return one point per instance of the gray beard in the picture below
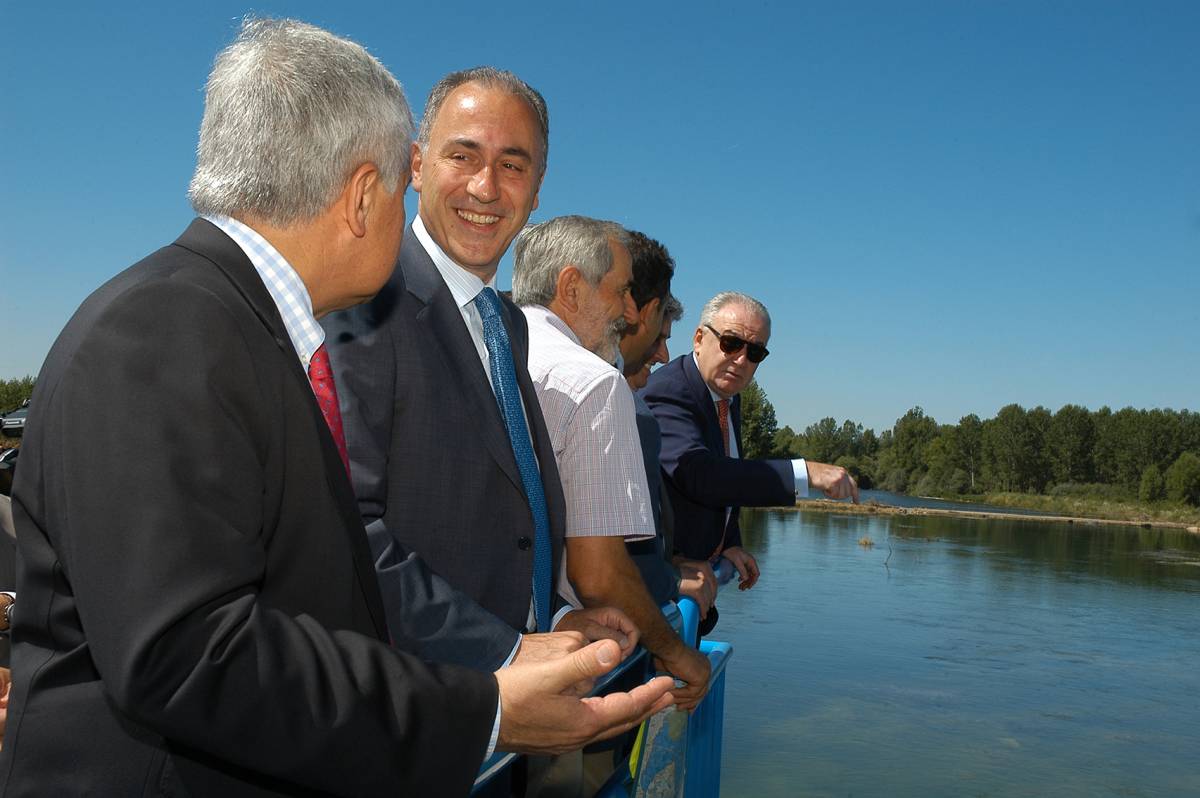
(609, 345)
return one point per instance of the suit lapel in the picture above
(210, 242)
(447, 331)
(703, 399)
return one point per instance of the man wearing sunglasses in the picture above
(695, 399)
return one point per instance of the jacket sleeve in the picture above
(701, 474)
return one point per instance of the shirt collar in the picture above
(464, 286)
(548, 317)
(283, 284)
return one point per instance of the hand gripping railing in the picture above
(665, 746)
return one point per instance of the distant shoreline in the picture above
(872, 507)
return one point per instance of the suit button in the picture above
(523, 543)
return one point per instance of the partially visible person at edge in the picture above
(433, 460)
(644, 345)
(572, 277)
(206, 621)
(695, 398)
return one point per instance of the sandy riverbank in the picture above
(874, 508)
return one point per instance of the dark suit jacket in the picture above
(701, 481)
(653, 557)
(204, 619)
(432, 464)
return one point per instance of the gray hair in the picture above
(672, 308)
(491, 78)
(543, 250)
(713, 306)
(290, 111)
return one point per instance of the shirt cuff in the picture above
(558, 616)
(512, 654)
(800, 474)
(495, 728)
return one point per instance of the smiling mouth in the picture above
(478, 218)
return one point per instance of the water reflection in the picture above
(961, 656)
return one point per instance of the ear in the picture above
(697, 338)
(567, 288)
(648, 310)
(360, 196)
(417, 163)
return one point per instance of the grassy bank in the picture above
(1094, 507)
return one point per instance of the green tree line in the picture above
(1147, 455)
(14, 392)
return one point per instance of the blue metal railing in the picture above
(663, 746)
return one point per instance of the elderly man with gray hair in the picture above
(206, 621)
(695, 399)
(572, 277)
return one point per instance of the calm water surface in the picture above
(962, 657)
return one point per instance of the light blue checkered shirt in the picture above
(282, 282)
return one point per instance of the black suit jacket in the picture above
(199, 613)
(701, 481)
(432, 464)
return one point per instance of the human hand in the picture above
(690, 666)
(536, 718)
(550, 646)
(698, 582)
(5, 687)
(746, 565)
(834, 481)
(602, 623)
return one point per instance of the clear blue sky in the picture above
(956, 205)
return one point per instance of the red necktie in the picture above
(723, 420)
(321, 376)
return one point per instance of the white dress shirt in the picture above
(589, 413)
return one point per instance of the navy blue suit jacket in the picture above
(433, 468)
(701, 481)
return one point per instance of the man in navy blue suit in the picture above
(695, 399)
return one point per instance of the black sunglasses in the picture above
(731, 344)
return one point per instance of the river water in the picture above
(962, 657)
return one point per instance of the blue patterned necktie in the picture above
(508, 396)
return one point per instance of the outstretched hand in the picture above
(834, 481)
(537, 718)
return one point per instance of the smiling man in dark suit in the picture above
(435, 450)
(205, 620)
(696, 401)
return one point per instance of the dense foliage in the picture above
(1147, 455)
(14, 392)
